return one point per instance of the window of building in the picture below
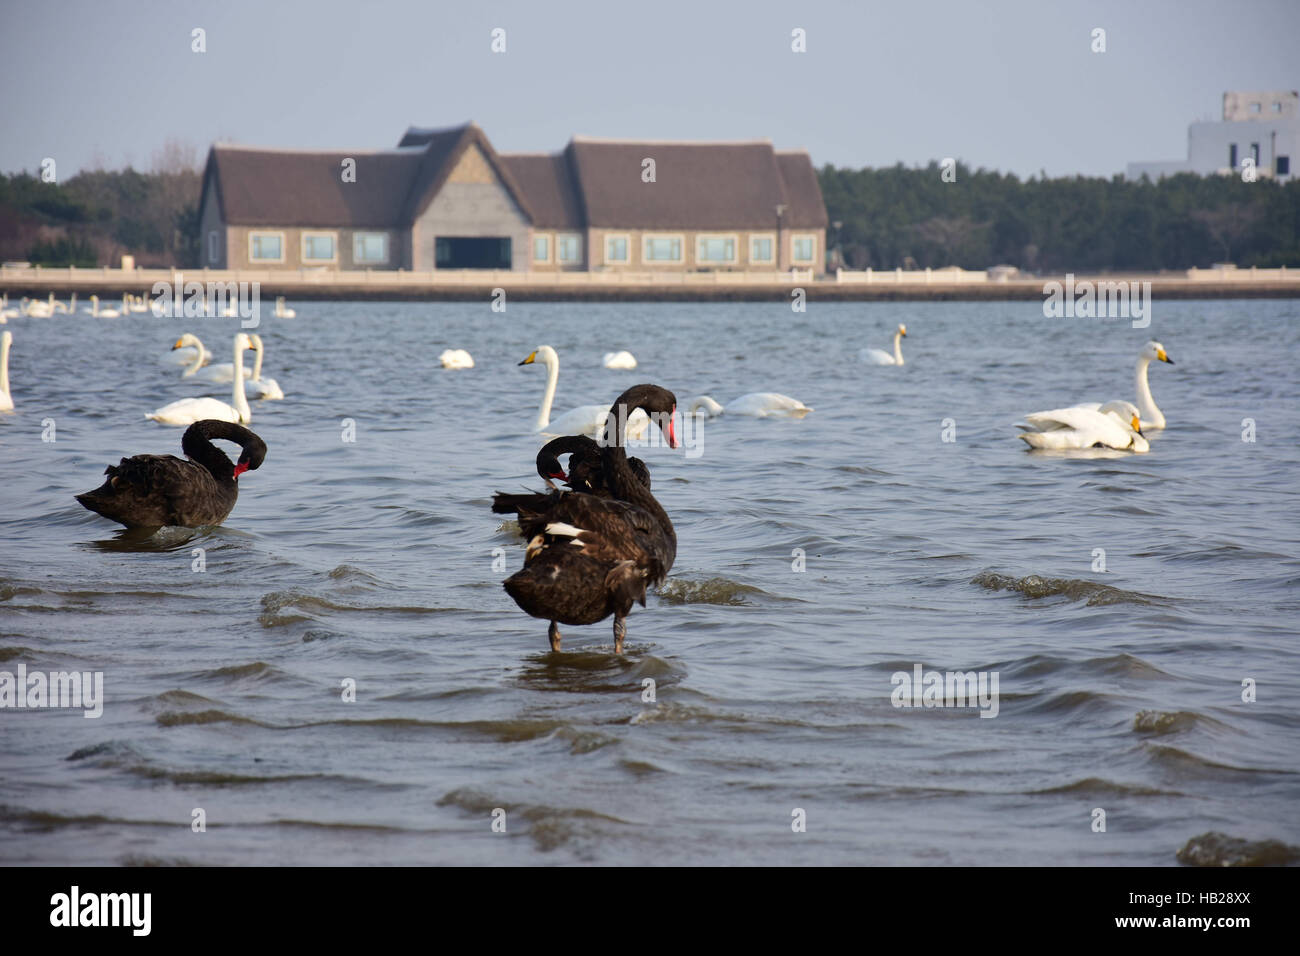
(318, 247)
(803, 248)
(1232, 155)
(617, 249)
(369, 247)
(1277, 106)
(760, 248)
(541, 248)
(715, 249)
(266, 246)
(661, 249)
(1254, 152)
(1282, 165)
(214, 247)
(1254, 107)
(568, 247)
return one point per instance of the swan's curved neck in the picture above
(198, 360)
(257, 361)
(4, 369)
(552, 379)
(239, 400)
(1146, 404)
(898, 348)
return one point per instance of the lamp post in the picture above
(839, 259)
(780, 212)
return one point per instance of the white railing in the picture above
(913, 276)
(1234, 274)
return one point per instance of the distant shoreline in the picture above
(113, 283)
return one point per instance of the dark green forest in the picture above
(909, 218)
(896, 217)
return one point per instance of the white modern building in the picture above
(1263, 127)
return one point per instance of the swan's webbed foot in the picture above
(554, 634)
(620, 632)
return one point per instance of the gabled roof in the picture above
(592, 182)
(443, 149)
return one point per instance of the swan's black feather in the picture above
(148, 491)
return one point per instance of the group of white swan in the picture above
(245, 383)
(1117, 424)
(590, 419)
(459, 358)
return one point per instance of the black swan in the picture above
(586, 474)
(590, 557)
(149, 491)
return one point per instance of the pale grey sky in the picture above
(1010, 85)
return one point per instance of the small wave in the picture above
(1100, 787)
(1073, 589)
(8, 591)
(13, 653)
(1177, 759)
(1161, 722)
(173, 718)
(714, 591)
(277, 608)
(1219, 849)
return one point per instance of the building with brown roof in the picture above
(445, 199)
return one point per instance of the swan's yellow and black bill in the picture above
(179, 344)
(1160, 354)
(1137, 425)
(529, 360)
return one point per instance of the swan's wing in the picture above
(1088, 428)
(878, 356)
(584, 420)
(767, 403)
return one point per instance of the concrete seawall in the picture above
(113, 283)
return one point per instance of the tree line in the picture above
(900, 217)
(895, 217)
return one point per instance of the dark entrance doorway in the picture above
(472, 252)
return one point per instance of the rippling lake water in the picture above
(373, 561)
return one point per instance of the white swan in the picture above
(280, 311)
(186, 411)
(254, 385)
(1150, 416)
(6, 401)
(95, 312)
(881, 357)
(7, 313)
(1153, 351)
(40, 308)
(755, 404)
(584, 420)
(619, 360)
(184, 354)
(258, 387)
(1079, 427)
(456, 358)
(134, 303)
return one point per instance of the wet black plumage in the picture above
(586, 474)
(148, 491)
(589, 557)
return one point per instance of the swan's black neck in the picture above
(620, 479)
(197, 445)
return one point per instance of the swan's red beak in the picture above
(558, 475)
(241, 468)
(672, 429)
